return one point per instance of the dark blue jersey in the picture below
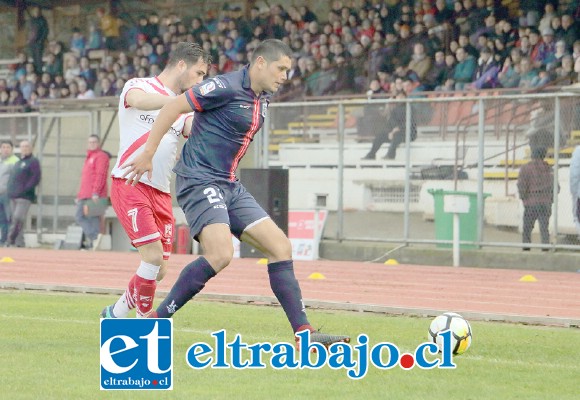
(227, 115)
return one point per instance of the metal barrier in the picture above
(478, 144)
(470, 143)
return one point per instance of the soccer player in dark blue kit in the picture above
(229, 110)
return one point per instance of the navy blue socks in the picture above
(287, 291)
(190, 282)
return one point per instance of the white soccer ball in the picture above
(460, 332)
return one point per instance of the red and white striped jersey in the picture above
(135, 125)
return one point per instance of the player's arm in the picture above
(166, 117)
(142, 100)
(187, 125)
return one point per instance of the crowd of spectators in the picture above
(358, 47)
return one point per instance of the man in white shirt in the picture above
(145, 210)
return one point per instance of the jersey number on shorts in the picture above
(212, 195)
(133, 214)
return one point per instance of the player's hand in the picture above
(136, 168)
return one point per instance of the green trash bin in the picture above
(444, 220)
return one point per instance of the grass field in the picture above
(49, 349)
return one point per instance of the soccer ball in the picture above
(460, 332)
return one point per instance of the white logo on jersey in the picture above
(208, 87)
(244, 106)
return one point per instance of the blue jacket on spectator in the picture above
(465, 70)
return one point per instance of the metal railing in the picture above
(496, 134)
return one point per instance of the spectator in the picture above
(4, 98)
(565, 74)
(84, 91)
(73, 88)
(20, 66)
(509, 76)
(486, 72)
(37, 35)
(64, 92)
(106, 88)
(16, 98)
(464, 70)
(509, 35)
(7, 162)
(344, 77)
(34, 97)
(359, 65)
(50, 67)
(57, 49)
(535, 42)
(554, 61)
(95, 39)
(45, 80)
(393, 131)
(53, 92)
(547, 48)
(25, 86)
(529, 78)
(569, 30)
(77, 43)
(24, 178)
(323, 81)
(437, 75)
(464, 42)
(525, 47)
(536, 189)
(420, 62)
(531, 12)
(72, 69)
(85, 71)
(549, 14)
(92, 197)
(109, 26)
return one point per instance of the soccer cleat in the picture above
(108, 312)
(325, 339)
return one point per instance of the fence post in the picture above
(340, 204)
(39, 199)
(557, 125)
(407, 194)
(480, 157)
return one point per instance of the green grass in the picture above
(49, 349)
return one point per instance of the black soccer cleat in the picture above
(324, 339)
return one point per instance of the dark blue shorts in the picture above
(217, 202)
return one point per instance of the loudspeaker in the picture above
(270, 189)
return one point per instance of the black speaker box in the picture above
(270, 189)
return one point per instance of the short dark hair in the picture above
(8, 142)
(539, 153)
(94, 135)
(271, 50)
(189, 52)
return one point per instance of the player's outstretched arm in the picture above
(144, 161)
(146, 101)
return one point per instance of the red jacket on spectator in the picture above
(94, 175)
